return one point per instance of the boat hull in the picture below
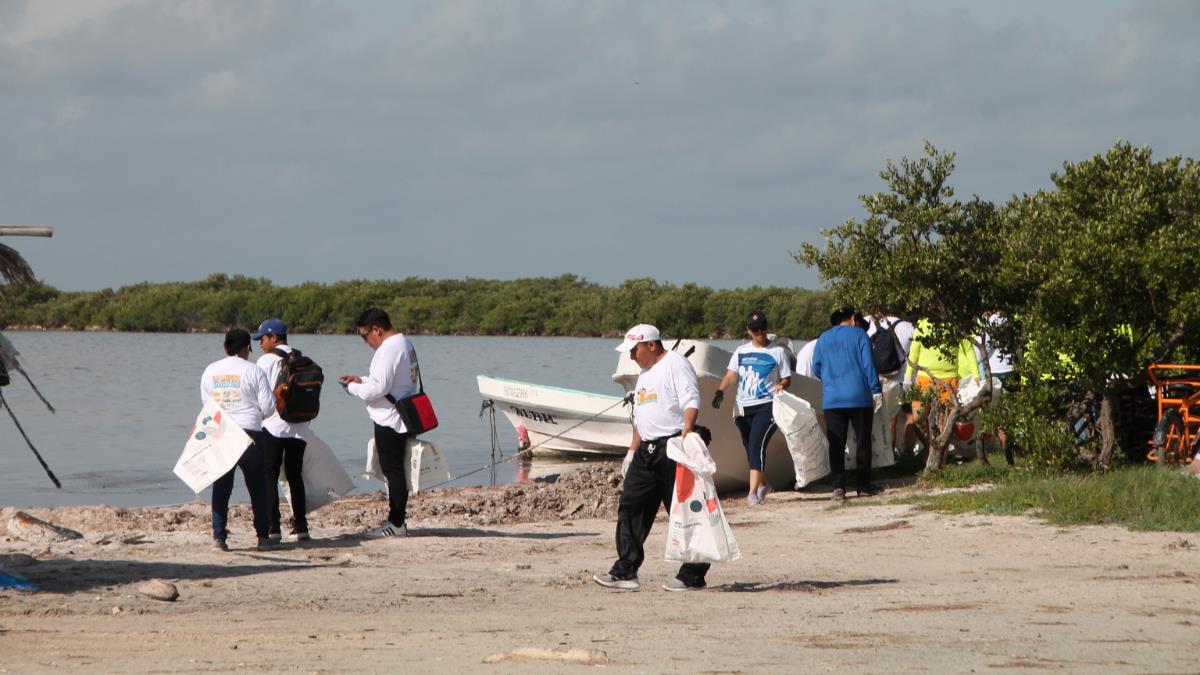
(562, 422)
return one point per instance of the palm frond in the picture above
(13, 267)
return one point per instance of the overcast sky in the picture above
(685, 141)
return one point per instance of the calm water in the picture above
(126, 401)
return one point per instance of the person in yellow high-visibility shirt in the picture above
(948, 368)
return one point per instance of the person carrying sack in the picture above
(666, 405)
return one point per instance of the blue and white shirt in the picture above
(759, 369)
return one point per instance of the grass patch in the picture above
(963, 475)
(1140, 498)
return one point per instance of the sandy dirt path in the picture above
(867, 587)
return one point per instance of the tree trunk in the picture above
(1108, 434)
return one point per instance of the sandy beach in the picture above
(487, 572)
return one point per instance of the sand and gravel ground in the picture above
(867, 587)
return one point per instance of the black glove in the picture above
(717, 398)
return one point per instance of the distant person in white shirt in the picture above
(394, 371)
(666, 404)
(903, 332)
(283, 445)
(804, 359)
(761, 371)
(240, 388)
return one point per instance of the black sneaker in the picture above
(300, 536)
(839, 495)
(220, 545)
(869, 490)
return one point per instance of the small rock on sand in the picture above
(11, 560)
(37, 531)
(159, 590)
(583, 657)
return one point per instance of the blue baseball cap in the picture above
(269, 327)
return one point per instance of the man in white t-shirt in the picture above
(903, 330)
(241, 389)
(283, 445)
(394, 371)
(666, 404)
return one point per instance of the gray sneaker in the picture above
(609, 581)
(677, 586)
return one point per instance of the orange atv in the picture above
(1177, 435)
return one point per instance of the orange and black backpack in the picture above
(298, 388)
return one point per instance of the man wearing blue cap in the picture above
(283, 444)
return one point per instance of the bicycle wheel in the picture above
(1169, 444)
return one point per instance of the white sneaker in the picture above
(609, 581)
(387, 529)
(752, 499)
(763, 491)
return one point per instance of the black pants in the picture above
(649, 482)
(389, 444)
(288, 454)
(837, 420)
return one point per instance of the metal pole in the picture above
(26, 231)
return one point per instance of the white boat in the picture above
(572, 422)
(562, 421)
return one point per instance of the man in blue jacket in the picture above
(851, 394)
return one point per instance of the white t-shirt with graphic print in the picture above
(759, 369)
(662, 393)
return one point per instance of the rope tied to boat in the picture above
(46, 467)
(489, 406)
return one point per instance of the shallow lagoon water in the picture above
(126, 402)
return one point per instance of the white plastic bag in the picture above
(426, 465)
(698, 530)
(324, 478)
(424, 462)
(801, 428)
(214, 446)
(881, 431)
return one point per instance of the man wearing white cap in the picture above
(666, 404)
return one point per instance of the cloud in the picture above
(686, 141)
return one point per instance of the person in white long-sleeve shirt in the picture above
(241, 390)
(282, 441)
(393, 371)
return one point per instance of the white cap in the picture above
(643, 332)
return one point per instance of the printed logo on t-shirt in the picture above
(754, 373)
(645, 396)
(227, 389)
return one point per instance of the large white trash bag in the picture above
(881, 431)
(698, 531)
(801, 428)
(214, 446)
(324, 478)
(425, 464)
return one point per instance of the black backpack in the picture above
(885, 348)
(298, 389)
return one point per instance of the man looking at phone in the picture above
(393, 371)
